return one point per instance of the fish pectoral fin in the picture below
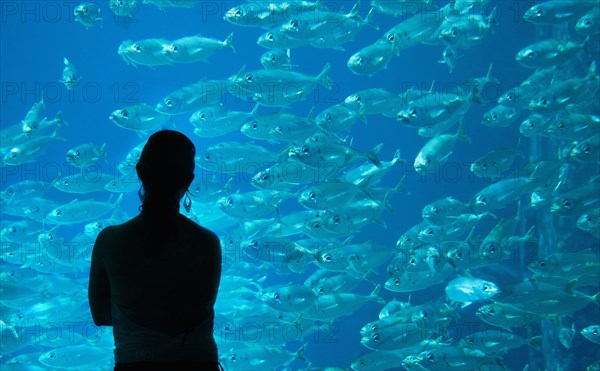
(256, 362)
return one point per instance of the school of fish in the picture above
(298, 216)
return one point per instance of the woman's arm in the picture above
(99, 288)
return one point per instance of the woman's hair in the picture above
(166, 165)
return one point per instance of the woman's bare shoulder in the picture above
(200, 232)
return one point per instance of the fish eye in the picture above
(169, 103)
(254, 243)
(362, 363)
(587, 149)
(327, 258)
(491, 311)
(391, 37)
(484, 165)
(12, 229)
(276, 296)
(279, 129)
(270, 37)
(35, 209)
(336, 219)
(249, 78)
(531, 124)
(412, 261)
(294, 23)
(305, 149)
(509, 97)
(470, 339)
(51, 356)
(328, 117)
(207, 156)
(375, 337)
(312, 195)
(397, 281)
(587, 22)
(566, 203)
(238, 13)
(486, 287)
(542, 264)
(493, 115)
(232, 358)
(174, 48)
(317, 225)
(412, 111)
(137, 48)
(561, 125)
(358, 98)
(254, 125)
(539, 11)
(453, 31)
(435, 210)
(57, 212)
(265, 177)
(430, 232)
(595, 331)
(273, 59)
(430, 357)
(360, 60)
(482, 199)
(530, 54)
(230, 201)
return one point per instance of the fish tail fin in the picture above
(59, 119)
(491, 19)
(534, 342)
(372, 155)
(354, 11)
(592, 75)
(299, 354)
(229, 42)
(399, 188)
(596, 298)
(103, 150)
(460, 134)
(375, 295)
(369, 20)
(323, 77)
(397, 157)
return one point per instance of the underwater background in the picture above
(44, 314)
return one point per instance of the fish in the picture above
(565, 336)
(267, 15)
(371, 59)
(575, 126)
(85, 154)
(83, 183)
(69, 75)
(548, 53)
(147, 52)
(33, 117)
(450, 58)
(590, 222)
(25, 189)
(437, 150)
(494, 163)
(374, 101)
(123, 8)
(566, 93)
(467, 31)
(141, 118)
(500, 116)
(557, 11)
(88, 14)
(398, 8)
(339, 118)
(196, 48)
(276, 59)
(467, 290)
(331, 156)
(592, 333)
(272, 87)
(192, 97)
(30, 150)
(215, 120)
(536, 124)
(589, 23)
(81, 211)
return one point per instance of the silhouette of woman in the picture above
(155, 277)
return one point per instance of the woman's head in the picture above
(166, 166)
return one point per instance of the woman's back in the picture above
(169, 290)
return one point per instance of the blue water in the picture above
(36, 35)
